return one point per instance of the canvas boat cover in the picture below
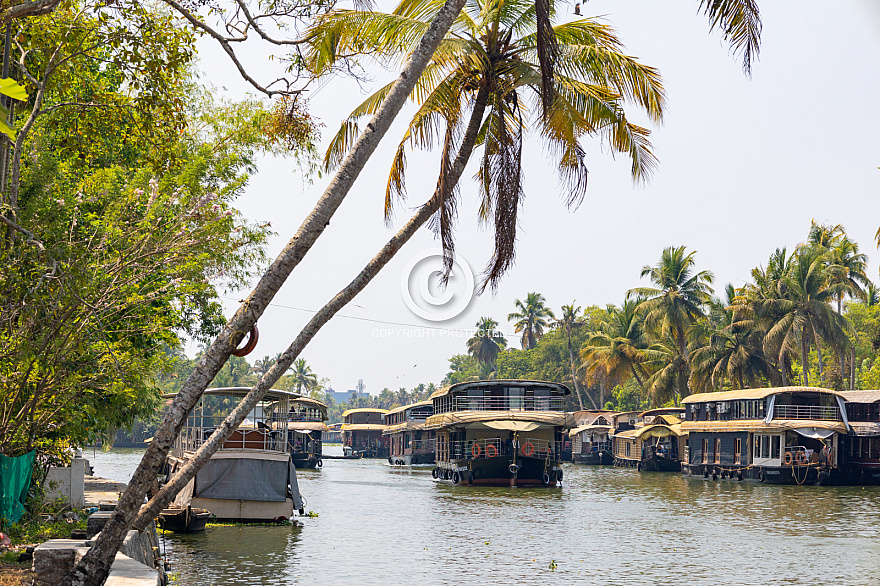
(512, 425)
(248, 479)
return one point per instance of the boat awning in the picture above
(306, 426)
(512, 425)
(759, 425)
(814, 432)
(405, 426)
(549, 418)
(659, 431)
(583, 428)
(362, 427)
(865, 429)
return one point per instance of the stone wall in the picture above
(68, 482)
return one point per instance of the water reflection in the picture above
(606, 526)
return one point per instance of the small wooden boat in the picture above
(184, 520)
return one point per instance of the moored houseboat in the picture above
(649, 441)
(333, 435)
(499, 432)
(362, 433)
(780, 435)
(590, 440)
(860, 449)
(251, 478)
(409, 443)
(305, 428)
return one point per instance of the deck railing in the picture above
(242, 439)
(593, 447)
(508, 404)
(806, 412)
(480, 448)
(425, 446)
(306, 416)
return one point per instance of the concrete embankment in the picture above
(136, 564)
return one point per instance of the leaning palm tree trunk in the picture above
(444, 188)
(95, 565)
(577, 386)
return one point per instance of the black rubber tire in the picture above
(739, 476)
(705, 473)
(319, 463)
(434, 472)
(455, 477)
(470, 477)
(639, 466)
(761, 476)
(714, 475)
(545, 479)
(559, 475)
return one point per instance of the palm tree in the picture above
(872, 294)
(801, 316)
(262, 366)
(570, 320)
(618, 350)
(303, 378)
(533, 317)
(486, 343)
(490, 64)
(675, 302)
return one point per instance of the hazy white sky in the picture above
(744, 165)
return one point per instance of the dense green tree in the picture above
(303, 377)
(486, 342)
(532, 318)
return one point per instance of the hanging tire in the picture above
(434, 473)
(639, 466)
(705, 473)
(545, 479)
(470, 477)
(739, 476)
(513, 469)
(559, 475)
(320, 463)
(455, 477)
(714, 475)
(761, 476)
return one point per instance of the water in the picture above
(606, 526)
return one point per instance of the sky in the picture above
(745, 164)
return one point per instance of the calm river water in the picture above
(606, 526)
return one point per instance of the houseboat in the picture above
(362, 433)
(781, 435)
(305, 428)
(499, 432)
(409, 443)
(251, 478)
(590, 440)
(860, 449)
(649, 441)
(333, 435)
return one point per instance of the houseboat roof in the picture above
(761, 425)
(871, 396)
(590, 427)
(271, 394)
(486, 383)
(362, 427)
(745, 394)
(662, 411)
(587, 416)
(405, 426)
(310, 402)
(660, 430)
(424, 403)
(307, 426)
(498, 419)
(364, 410)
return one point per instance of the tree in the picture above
(568, 322)
(673, 304)
(533, 316)
(486, 342)
(303, 377)
(799, 315)
(617, 351)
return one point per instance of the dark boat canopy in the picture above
(459, 387)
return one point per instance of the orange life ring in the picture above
(491, 451)
(475, 450)
(531, 449)
(787, 459)
(801, 458)
(253, 336)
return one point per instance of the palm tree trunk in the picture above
(183, 476)
(577, 386)
(852, 367)
(638, 378)
(805, 366)
(821, 364)
(95, 565)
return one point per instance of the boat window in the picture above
(705, 451)
(515, 397)
(756, 453)
(737, 451)
(775, 447)
(717, 454)
(765, 446)
(627, 449)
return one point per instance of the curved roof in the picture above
(271, 394)
(307, 425)
(760, 425)
(662, 411)
(745, 394)
(584, 428)
(554, 418)
(362, 427)
(485, 383)
(310, 402)
(410, 406)
(405, 426)
(860, 396)
(364, 410)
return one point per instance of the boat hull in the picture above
(187, 520)
(232, 511)
(810, 474)
(594, 458)
(411, 459)
(304, 460)
(497, 472)
(653, 463)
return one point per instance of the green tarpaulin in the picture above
(15, 480)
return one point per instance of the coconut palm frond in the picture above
(740, 24)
